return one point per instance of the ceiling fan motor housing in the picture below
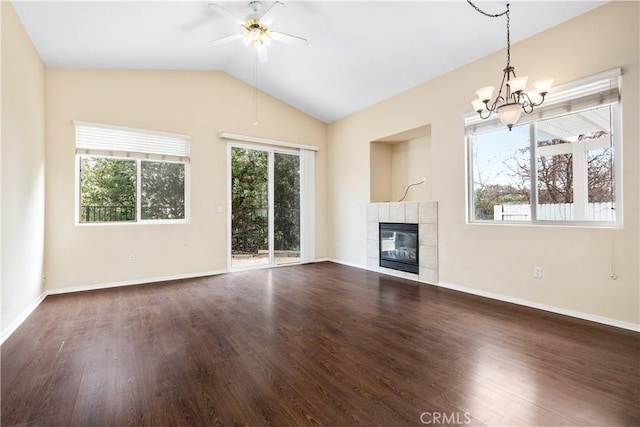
(255, 6)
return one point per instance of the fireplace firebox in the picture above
(399, 246)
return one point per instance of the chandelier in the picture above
(512, 99)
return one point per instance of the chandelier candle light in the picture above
(515, 100)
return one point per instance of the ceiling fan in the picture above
(255, 28)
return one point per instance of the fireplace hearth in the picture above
(399, 248)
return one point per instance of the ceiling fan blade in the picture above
(226, 39)
(270, 15)
(288, 38)
(226, 13)
(263, 55)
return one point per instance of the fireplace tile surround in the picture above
(425, 214)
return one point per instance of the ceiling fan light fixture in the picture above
(256, 32)
(246, 39)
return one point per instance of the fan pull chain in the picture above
(255, 90)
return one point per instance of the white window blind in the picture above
(100, 139)
(601, 89)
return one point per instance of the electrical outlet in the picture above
(132, 258)
(537, 272)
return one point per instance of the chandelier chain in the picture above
(508, 36)
(255, 89)
(497, 15)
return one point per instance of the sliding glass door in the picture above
(249, 207)
(286, 214)
(265, 207)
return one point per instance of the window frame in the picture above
(616, 137)
(138, 158)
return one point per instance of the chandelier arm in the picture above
(488, 114)
(499, 97)
(534, 104)
(493, 106)
(527, 107)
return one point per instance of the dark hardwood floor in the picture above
(318, 344)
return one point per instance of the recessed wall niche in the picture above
(397, 161)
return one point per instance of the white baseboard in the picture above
(133, 282)
(526, 303)
(553, 309)
(349, 264)
(21, 318)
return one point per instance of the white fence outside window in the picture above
(603, 211)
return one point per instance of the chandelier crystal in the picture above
(512, 98)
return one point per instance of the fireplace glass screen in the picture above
(399, 246)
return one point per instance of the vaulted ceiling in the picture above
(359, 52)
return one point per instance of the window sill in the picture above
(557, 224)
(132, 223)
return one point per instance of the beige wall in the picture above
(410, 162)
(493, 258)
(200, 104)
(380, 167)
(395, 165)
(23, 197)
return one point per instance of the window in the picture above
(130, 175)
(562, 166)
(163, 190)
(107, 189)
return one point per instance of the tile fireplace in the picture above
(422, 214)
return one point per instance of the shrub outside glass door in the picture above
(265, 207)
